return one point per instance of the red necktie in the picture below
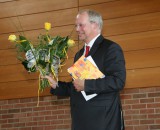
(87, 51)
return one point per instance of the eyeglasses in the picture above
(80, 25)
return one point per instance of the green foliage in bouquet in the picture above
(47, 56)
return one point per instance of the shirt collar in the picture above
(90, 44)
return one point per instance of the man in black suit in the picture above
(104, 111)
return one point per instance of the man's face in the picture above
(84, 28)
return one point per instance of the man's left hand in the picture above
(79, 84)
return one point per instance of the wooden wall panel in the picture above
(89, 2)
(28, 22)
(132, 41)
(23, 7)
(134, 59)
(33, 34)
(28, 88)
(133, 24)
(23, 89)
(3, 1)
(11, 57)
(18, 89)
(142, 58)
(147, 77)
(4, 43)
(138, 41)
(15, 73)
(123, 8)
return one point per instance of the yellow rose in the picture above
(70, 43)
(47, 26)
(12, 38)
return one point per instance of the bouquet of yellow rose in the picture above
(47, 56)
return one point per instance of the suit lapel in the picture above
(93, 49)
(96, 45)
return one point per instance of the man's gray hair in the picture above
(94, 17)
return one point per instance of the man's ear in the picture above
(95, 26)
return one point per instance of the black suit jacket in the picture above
(102, 112)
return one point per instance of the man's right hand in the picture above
(53, 83)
